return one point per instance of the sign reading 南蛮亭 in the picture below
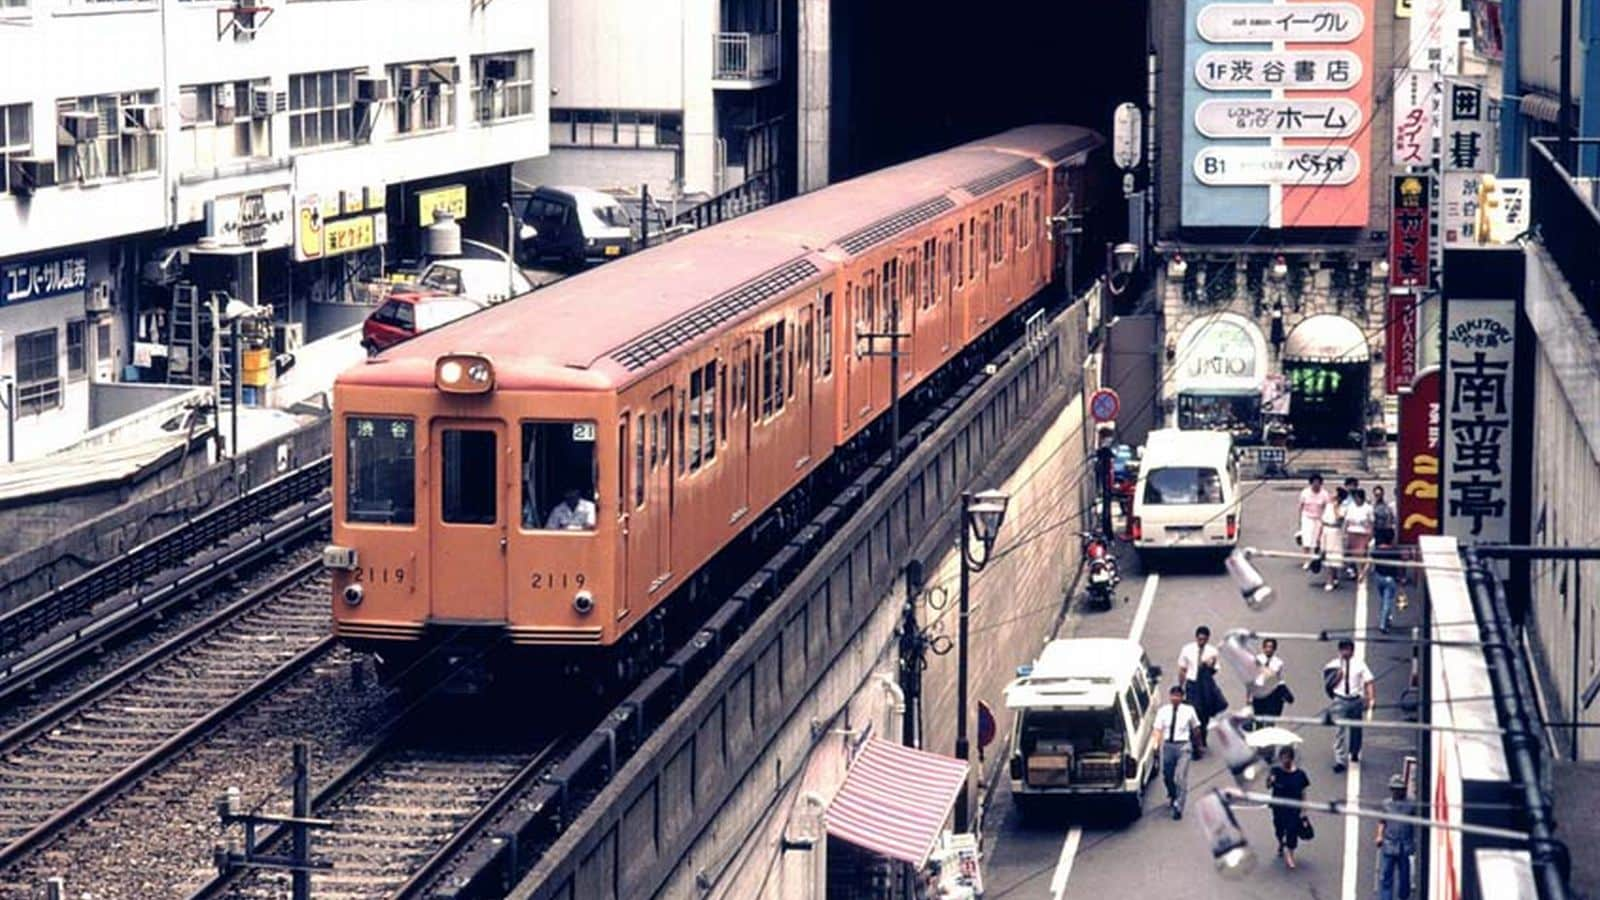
(1479, 404)
(40, 279)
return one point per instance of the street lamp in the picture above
(981, 516)
(232, 313)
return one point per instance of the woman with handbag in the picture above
(1286, 781)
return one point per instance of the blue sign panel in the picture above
(1215, 205)
(39, 279)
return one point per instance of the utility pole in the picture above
(866, 346)
(912, 644)
(644, 216)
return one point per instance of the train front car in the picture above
(467, 514)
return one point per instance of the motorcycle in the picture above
(1102, 574)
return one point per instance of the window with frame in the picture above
(616, 128)
(638, 460)
(424, 95)
(997, 219)
(322, 108)
(913, 292)
(502, 86)
(16, 133)
(102, 341)
(1024, 234)
(127, 138)
(696, 388)
(891, 293)
(827, 334)
(871, 308)
(38, 372)
(947, 260)
(224, 121)
(683, 423)
(972, 248)
(77, 348)
(708, 414)
(930, 275)
(983, 243)
(380, 471)
(773, 360)
(1011, 226)
(961, 254)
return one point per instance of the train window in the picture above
(913, 279)
(983, 241)
(683, 457)
(622, 465)
(380, 471)
(1011, 226)
(1022, 216)
(468, 492)
(638, 464)
(891, 292)
(972, 248)
(695, 418)
(961, 254)
(997, 219)
(790, 329)
(949, 256)
(827, 334)
(930, 274)
(708, 404)
(559, 475)
(777, 367)
(766, 373)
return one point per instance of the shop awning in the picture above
(1326, 338)
(895, 799)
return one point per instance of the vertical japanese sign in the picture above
(1479, 405)
(1275, 99)
(1408, 232)
(1412, 144)
(1420, 424)
(1467, 137)
(1400, 342)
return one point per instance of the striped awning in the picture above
(895, 799)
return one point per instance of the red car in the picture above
(407, 314)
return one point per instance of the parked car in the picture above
(573, 225)
(1187, 499)
(481, 273)
(408, 313)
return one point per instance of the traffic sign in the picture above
(1104, 405)
(986, 725)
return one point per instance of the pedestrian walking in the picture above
(1333, 539)
(1314, 498)
(1287, 781)
(1350, 685)
(1269, 693)
(1396, 842)
(1383, 573)
(1347, 497)
(1177, 728)
(1197, 672)
(1358, 528)
(1383, 516)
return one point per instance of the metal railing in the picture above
(760, 189)
(741, 56)
(1566, 220)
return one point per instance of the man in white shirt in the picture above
(1197, 664)
(1354, 693)
(1175, 727)
(573, 513)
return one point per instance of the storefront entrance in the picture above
(1218, 370)
(1326, 362)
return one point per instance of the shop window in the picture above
(469, 488)
(38, 372)
(380, 471)
(559, 475)
(77, 348)
(125, 141)
(16, 133)
(615, 128)
(424, 95)
(322, 108)
(502, 86)
(224, 121)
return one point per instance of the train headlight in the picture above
(354, 594)
(583, 602)
(464, 373)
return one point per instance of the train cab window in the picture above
(380, 471)
(559, 475)
(469, 490)
(827, 334)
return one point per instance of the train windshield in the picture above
(380, 470)
(558, 476)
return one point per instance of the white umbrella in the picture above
(1274, 736)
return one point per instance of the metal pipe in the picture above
(962, 751)
(1378, 724)
(301, 878)
(1564, 115)
(1534, 551)
(1341, 808)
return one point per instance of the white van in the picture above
(1187, 497)
(1083, 723)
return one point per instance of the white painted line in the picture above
(1352, 776)
(1147, 598)
(1069, 852)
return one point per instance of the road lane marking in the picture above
(1146, 600)
(1069, 851)
(1352, 775)
(1069, 848)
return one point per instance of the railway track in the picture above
(63, 763)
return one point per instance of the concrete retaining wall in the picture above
(687, 799)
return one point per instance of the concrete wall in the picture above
(135, 405)
(602, 167)
(683, 807)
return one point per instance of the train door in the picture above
(738, 426)
(468, 545)
(628, 482)
(804, 380)
(946, 296)
(659, 502)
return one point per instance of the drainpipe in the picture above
(1510, 90)
(1589, 116)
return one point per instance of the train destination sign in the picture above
(1252, 70)
(1277, 165)
(1310, 118)
(1308, 23)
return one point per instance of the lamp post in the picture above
(981, 515)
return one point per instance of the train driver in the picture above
(573, 513)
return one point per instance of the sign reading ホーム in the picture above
(1274, 103)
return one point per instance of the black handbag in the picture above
(1306, 831)
(1284, 694)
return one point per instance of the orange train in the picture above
(551, 470)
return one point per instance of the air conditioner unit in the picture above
(226, 94)
(261, 102)
(499, 69)
(28, 174)
(79, 127)
(144, 117)
(372, 88)
(226, 110)
(98, 299)
(288, 337)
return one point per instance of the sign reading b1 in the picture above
(1104, 405)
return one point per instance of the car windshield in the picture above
(1182, 485)
(615, 216)
(396, 313)
(442, 278)
(1084, 730)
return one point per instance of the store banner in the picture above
(1418, 477)
(1400, 342)
(41, 279)
(1408, 232)
(1412, 140)
(1468, 135)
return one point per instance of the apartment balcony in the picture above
(745, 61)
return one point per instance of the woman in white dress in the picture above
(1333, 540)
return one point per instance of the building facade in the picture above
(159, 154)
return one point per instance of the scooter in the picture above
(1103, 575)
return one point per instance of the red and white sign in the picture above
(1104, 405)
(1400, 342)
(1418, 484)
(1408, 232)
(1414, 105)
(1296, 118)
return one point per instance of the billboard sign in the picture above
(1418, 476)
(1408, 232)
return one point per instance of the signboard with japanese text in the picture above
(40, 279)
(318, 236)
(1418, 456)
(1413, 117)
(1488, 34)
(1479, 373)
(1274, 114)
(1400, 341)
(260, 219)
(1458, 208)
(451, 200)
(1511, 216)
(1468, 138)
(1408, 232)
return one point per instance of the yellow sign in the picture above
(308, 229)
(353, 200)
(347, 235)
(452, 200)
(1402, 9)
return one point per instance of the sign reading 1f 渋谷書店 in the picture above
(1275, 96)
(40, 279)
